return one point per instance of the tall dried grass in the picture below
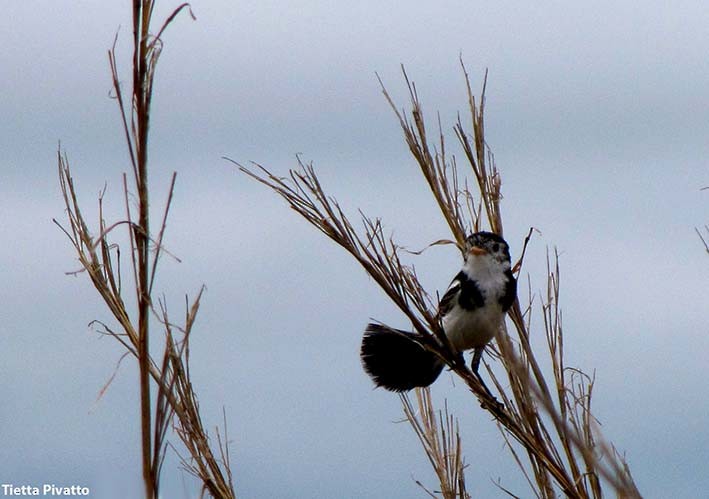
(546, 421)
(175, 402)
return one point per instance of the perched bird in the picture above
(471, 310)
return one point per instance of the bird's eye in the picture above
(495, 247)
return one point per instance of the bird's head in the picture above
(486, 248)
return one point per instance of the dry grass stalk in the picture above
(553, 426)
(704, 239)
(175, 402)
(438, 433)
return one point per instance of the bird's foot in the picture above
(490, 402)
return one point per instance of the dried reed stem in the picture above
(100, 258)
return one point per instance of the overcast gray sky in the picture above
(596, 112)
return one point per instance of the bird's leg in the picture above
(475, 365)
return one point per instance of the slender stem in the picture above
(141, 22)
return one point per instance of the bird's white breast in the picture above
(468, 329)
(471, 329)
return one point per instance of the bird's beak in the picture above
(477, 251)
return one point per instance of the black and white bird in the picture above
(471, 311)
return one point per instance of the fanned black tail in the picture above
(396, 361)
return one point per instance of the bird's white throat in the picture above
(486, 270)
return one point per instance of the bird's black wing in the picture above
(450, 297)
(508, 298)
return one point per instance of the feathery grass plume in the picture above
(547, 423)
(175, 403)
